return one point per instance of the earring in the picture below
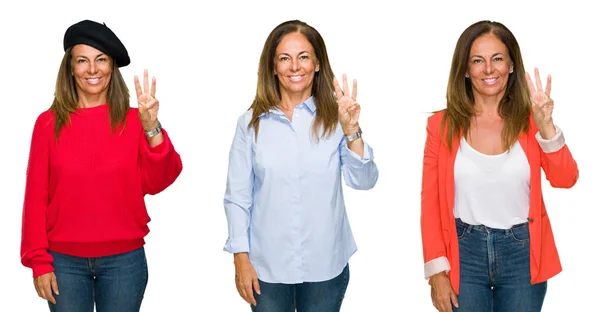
(317, 70)
(467, 76)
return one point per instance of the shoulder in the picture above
(434, 121)
(45, 119)
(245, 118)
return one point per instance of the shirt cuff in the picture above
(354, 160)
(238, 244)
(436, 266)
(552, 145)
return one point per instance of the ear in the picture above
(317, 66)
(511, 68)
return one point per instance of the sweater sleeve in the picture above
(160, 165)
(34, 241)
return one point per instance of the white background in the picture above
(205, 58)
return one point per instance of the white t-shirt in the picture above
(492, 190)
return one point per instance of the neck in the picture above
(487, 106)
(290, 100)
(92, 100)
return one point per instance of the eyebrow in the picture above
(495, 54)
(97, 56)
(283, 53)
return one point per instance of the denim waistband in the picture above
(484, 228)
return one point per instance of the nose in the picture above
(295, 65)
(488, 68)
(92, 68)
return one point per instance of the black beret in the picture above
(98, 36)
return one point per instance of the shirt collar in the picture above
(308, 103)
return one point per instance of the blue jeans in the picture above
(115, 283)
(324, 296)
(494, 270)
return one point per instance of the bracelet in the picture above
(354, 136)
(154, 132)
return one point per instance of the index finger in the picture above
(249, 293)
(354, 89)
(529, 84)
(345, 82)
(48, 293)
(336, 87)
(138, 88)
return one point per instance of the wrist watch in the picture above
(354, 136)
(153, 132)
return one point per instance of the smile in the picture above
(295, 78)
(490, 81)
(93, 81)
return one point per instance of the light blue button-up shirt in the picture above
(284, 201)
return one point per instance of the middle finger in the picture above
(538, 81)
(345, 82)
(146, 87)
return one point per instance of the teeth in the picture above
(93, 80)
(295, 78)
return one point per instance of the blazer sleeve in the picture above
(434, 250)
(557, 162)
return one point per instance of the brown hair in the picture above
(514, 107)
(66, 98)
(268, 94)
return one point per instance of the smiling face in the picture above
(489, 68)
(295, 65)
(91, 70)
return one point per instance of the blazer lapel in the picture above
(450, 175)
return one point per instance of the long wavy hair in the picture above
(66, 99)
(268, 95)
(514, 107)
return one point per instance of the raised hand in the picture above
(348, 109)
(147, 104)
(541, 103)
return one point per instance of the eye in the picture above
(304, 57)
(102, 59)
(498, 59)
(81, 61)
(477, 61)
(284, 58)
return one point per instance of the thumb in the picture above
(256, 285)
(54, 284)
(454, 299)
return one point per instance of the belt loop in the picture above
(469, 227)
(530, 220)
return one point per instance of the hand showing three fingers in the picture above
(348, 109)
(541, 104)
(147, 104)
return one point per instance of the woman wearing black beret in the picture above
(92, 161)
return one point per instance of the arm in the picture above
(34, 241)
(556, 159)
(360, 172)
(434, 251)
(160, 165)
(239, 189)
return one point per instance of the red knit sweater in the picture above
(84, 194)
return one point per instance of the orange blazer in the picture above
(438, 229)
